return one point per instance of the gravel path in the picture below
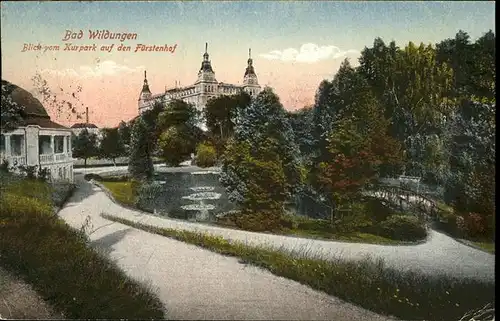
(195, 283)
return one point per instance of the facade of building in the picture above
(91, 128)
(204, 88)
(38, 141)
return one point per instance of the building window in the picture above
(44, 147)
(16, 145)
(59, 144)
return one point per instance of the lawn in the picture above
(121, 191)
(487, 246)
(58, 262)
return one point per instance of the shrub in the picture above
(474, 225)
(91, 176)
(403, 228)
(376, 209)
(206, 155)
(352, 222)
(265, 220)
(4, 167)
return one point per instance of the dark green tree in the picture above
(140, 165)
(124, 131)
(85, 145)
(111, 145)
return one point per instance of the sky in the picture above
(295, 45)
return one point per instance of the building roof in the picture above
(83, 125)
(33, 111)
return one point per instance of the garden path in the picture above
(195, 283)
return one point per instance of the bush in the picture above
(474, 226)
(376, 209)
(206, 155)
(265, 220)
(52, 257)
(91, 176)
(403, 228)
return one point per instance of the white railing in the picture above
(48, 158)
(14, 160)
(61, 157)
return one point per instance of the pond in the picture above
(199, 196)
(188, 195)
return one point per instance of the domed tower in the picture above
(145, 94)
(250, 81)
(206, 84)
(206, 73)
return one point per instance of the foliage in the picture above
(474, 226)
(84, 145)
(11, 112)
(111, 145)
(176, 144)
(264, 120)
(206, 155)
(152, 119)
(140, 164)
(403, 227)
(124, 132)
(358, 146)
(178, 113)
(301, 122)
(367, 283)
(221, 114)
(54, 259)
(261, 189)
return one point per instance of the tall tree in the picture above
(301, 122)
(85, 145)
(178, 113)
(140, 165)
(358, 146)
(255, 180)
(111, 145)
(124, 131)
(264, 119)
(176, 144)
(179, 131)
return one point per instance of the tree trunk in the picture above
(85, 162)
(114, 163)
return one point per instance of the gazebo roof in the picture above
(33, 111)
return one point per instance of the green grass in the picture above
(319, 229)
(59, 263)
(369, 284)
(121, 191)
(486, 246)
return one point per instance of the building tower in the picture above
(206, 73)
(145, 93)
(206, 84)
(250, 81)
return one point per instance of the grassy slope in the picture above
(58, 262)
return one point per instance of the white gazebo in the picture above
(38, 141)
